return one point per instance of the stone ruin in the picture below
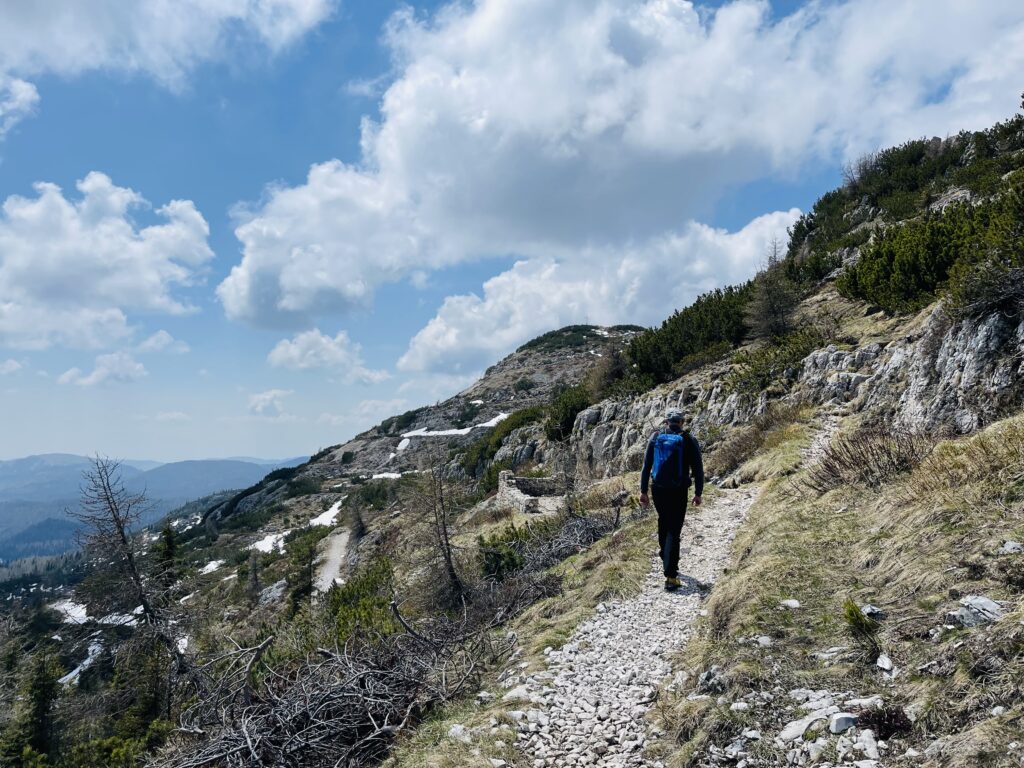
(531, 495)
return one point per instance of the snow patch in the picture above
(271, 541)
(210, 567)
(495, 421)
(424, 432)
(476, 402)
(386, 476)
(328, 517)
(95, 649)
(122, 619)
(404, 444)
(72, 612)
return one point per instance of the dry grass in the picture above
(765, 432)
(911, 546)
(868, 457)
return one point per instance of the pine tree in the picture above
(165, 555)
(770, 310)
(30, 737)
(253, 586)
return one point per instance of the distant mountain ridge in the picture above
(36, 491)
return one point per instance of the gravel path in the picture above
(331, 564)
(588, 708)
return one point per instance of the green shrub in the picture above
(376, 494)
(489, 479)
(321, 454)
(498, 557)
(756, 370)
(524, 384)
(564, 338)
(971, 251)
(401, 422)
(364, 601)
(714, 318)
(303, 486)
(563, 411)
(483, 450)
(898, 183)
(467, 414)
(863, 629)
(347, 457)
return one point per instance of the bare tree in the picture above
(110, 515)
(442, 500)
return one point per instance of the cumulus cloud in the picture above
(631, 285)
(115, 367)
(18, 100)
(70, 270)
(269, 403)
(8, 367)
(313, 349)
(567, 129)
(162, 40)
(162, 341)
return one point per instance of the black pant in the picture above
(671, 506)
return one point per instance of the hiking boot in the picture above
(672, 583)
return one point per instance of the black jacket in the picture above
(691, 453)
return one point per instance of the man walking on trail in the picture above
(672, 457)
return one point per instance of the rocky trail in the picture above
(589, 707)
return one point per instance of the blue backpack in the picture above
(668, 470)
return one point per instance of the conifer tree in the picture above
(30, 737)
(770, 309)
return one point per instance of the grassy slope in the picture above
(911, 548)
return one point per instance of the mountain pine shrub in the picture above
(563, 411)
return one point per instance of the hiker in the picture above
(672, 456)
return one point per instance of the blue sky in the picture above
(397, 195)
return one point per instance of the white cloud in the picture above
(115, 367)
(8, 367)
(71, 269)
(162, 341)
(313, 349)
(177, 417)
(631, 285)
(162, 40)
(269, 403)
(568, 128)
(18, 100)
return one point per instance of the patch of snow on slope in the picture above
(495, 421)
(95, 649)
(424, 432)
(270, 541)
(476, 402)
(328, 517)
(404, 444)
(387, 476)
(73, 613)
(210, 567)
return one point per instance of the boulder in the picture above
(975, 611)
(841, 722)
